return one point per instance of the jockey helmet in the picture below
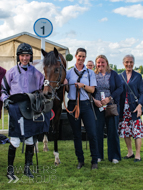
(24, 49)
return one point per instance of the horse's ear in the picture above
(44, 52)
(56, 52)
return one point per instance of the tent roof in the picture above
(34, 41)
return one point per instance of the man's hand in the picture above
(79, 85)
(7, 102)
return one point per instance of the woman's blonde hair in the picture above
(105, 58)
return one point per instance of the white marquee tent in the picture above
(8, 47)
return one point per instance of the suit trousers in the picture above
(112, 135)
(88, 118)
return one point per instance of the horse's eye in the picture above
(56, 70)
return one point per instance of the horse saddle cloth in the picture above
(32, 105)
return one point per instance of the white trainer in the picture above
(99, 160)
(115, 161)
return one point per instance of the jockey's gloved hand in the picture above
(7, 102)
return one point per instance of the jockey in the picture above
(22, 78)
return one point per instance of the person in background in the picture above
(22, 78)
(2, 73)
(109, 83)
(131, 103)
(90, 65)
(86, 113)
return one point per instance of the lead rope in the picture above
(76, 108)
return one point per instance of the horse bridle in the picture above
(58, 85)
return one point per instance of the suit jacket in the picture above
(2, 73)
(116, 86)
(136, 84)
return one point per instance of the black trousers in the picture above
(87, 115)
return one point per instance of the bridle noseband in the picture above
(46, 82)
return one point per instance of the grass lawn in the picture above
(126, 175)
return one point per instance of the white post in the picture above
(42, 46)
(3, 118)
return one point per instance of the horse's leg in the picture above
(45, 141)
(55, 126)
(56, 154)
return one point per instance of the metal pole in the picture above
(42, 46)
(3, 118)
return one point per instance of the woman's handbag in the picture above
(111, 110)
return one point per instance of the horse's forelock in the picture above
(50, 59)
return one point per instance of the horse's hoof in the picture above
(45, 149)
(57, 163)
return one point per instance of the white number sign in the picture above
(43, 27)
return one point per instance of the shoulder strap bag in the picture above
(129, 88)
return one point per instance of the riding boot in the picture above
(11, 156)
(32, 151)
(28, 159)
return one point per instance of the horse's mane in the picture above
(63, 60)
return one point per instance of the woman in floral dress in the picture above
(131, 102)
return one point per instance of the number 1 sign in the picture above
(43, 27)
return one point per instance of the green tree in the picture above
(111, 66)
(70, 67)
(136, 68)
(141, 69)
(115, 68)
(120, 71)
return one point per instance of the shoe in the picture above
(115, 161)
(99, 160)
(137, 160)
(80, 164)
(10, 173)
(128, 157)
(27, 172)
(94, 166)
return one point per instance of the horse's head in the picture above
(55, 72)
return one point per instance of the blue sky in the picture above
(110, 27)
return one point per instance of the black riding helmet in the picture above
(24, 49)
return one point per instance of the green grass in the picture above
(5, 120)
(125, 175)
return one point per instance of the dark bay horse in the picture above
(54, 66)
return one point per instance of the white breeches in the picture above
(15, 141)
